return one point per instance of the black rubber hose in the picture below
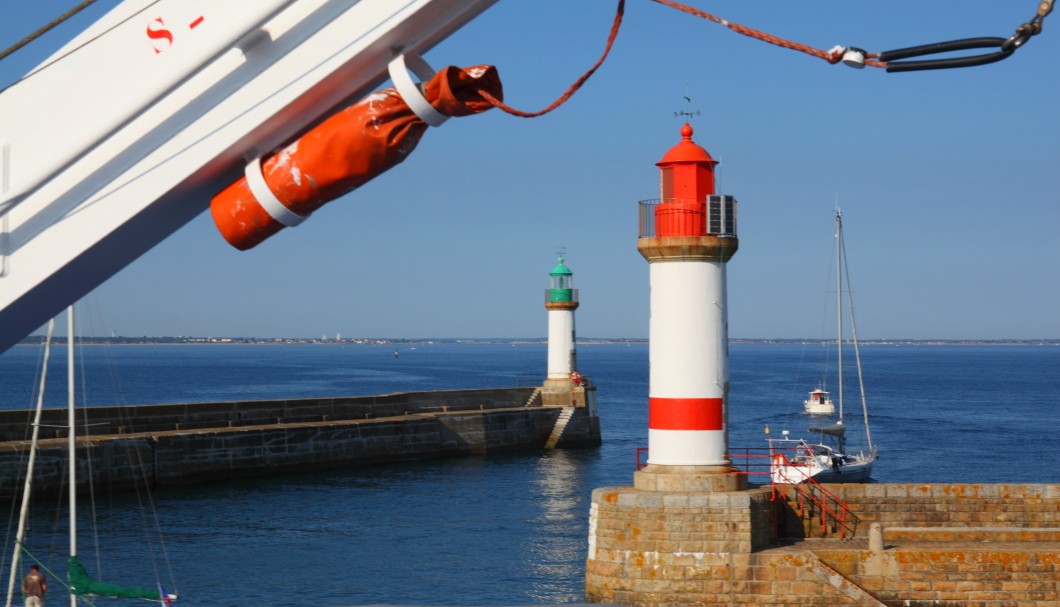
(942, 64)
(942, 47)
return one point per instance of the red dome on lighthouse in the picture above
(687, 151)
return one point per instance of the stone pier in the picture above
(190, 443)
(909, 545)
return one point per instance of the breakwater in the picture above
(188, 443)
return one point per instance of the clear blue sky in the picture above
(949, 182)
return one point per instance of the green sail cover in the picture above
(82, 583)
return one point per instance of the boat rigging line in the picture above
(46, 28)
(57, 21)
(858, 58)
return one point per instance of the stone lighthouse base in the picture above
(673, 547)
(688, 478)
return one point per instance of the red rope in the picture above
(832, 56)
(577, 83)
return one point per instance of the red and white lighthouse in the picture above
(687, 236)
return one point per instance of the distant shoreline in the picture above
(280, 341)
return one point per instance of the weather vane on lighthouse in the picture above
(689, 113)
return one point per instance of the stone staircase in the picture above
(561, 425)
(925, 552)
(842, 584)
(813, 513)
(534, 399)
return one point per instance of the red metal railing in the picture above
(830, 506)
(755, 460)
(810, 495)
(641, 450)
(715, 216)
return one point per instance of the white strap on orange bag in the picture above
(410, 92)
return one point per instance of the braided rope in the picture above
(619, 11)
(832, 56)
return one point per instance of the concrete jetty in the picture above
(189, 443)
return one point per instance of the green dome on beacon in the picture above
(561, 269)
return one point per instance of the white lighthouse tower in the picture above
(687, 236)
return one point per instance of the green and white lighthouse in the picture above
(561, 299)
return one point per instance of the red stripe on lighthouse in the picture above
(685, 414)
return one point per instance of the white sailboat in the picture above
(828, 460)
(79, 582)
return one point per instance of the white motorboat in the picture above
(819, 402)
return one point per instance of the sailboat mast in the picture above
(23, 513)
(857, 354)
(71, 438)
(839, 304)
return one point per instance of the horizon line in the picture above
(208, 339)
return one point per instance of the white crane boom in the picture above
(126, 133)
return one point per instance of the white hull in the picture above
(802, 461)
(858, 472)
(818, 409)
(819, 403)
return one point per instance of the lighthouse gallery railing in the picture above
(720, 209)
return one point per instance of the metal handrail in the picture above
(760, 460)
(646, 218)
(800, 489)
(749, 454)
(839, 514)
(639, 451)
(719, 221)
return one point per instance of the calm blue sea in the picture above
(500, 530)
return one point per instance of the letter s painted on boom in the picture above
(157, 32)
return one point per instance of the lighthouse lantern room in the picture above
(561, 281)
